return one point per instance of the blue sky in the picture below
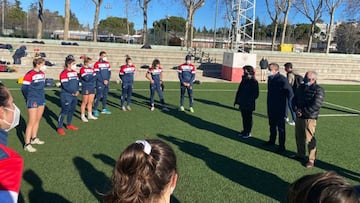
(158, 9)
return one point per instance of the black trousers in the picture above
(277, 125)
(247, 120)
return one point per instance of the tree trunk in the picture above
(329, 31)
(145, 22)
(67, 19)
(40, 23)
(311, 37)
(191, 29)
(274, 37)
(187, 25)
(191, 7)
(96, 20)
(283, 35)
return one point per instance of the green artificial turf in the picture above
(215, 165)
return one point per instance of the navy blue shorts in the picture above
(35, 103)
(87, 91)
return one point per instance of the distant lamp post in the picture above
(108, 7)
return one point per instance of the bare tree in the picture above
(348, 38)
(352, 8)
(67, 19)
(40, 19)
(144, 5)
(275, 15)
(331, 6)
(312, 10)
(286, 11)
(96, 18)
(191, 7)
(229, 17)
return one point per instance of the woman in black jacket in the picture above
(246, 95)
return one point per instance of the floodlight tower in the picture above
(241, 35)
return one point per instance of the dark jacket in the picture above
(264, 64)
(279, 90)
(19, 53)
(308, 100)
(247, 93)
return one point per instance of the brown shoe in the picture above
(309, 164)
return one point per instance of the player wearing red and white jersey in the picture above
(33, 90)
(126, 75)
(103, 73)
(69, 91)
(154, 75)
(88, 82)
(186, 73)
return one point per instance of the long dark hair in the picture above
(139, 177)
(155, 63)
(249, 71)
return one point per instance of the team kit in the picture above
(95, 82)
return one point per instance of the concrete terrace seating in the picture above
(332, 68)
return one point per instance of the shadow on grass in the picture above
(213, 103)
(253, 141)
(145, 101)
(238, 172)
(96, 181)
(110, 102)
(56, 100)
(50, 116)
(38, 194)
(173, 199)
(53, 99)
(105, 159)
(20, 130)
(260, 115)
(339, 170)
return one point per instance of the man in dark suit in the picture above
(279, 90)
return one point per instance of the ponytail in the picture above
(140, 176)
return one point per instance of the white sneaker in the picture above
(123, 108)
(91, 117)
(128, 108)
(191, 109)
(29, 148)
(84, 119)
(152, 108)
(36, 141)
(292, 123)
(245, 136)
(287, 119)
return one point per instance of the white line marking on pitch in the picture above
(339, 115)
(343, 107)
